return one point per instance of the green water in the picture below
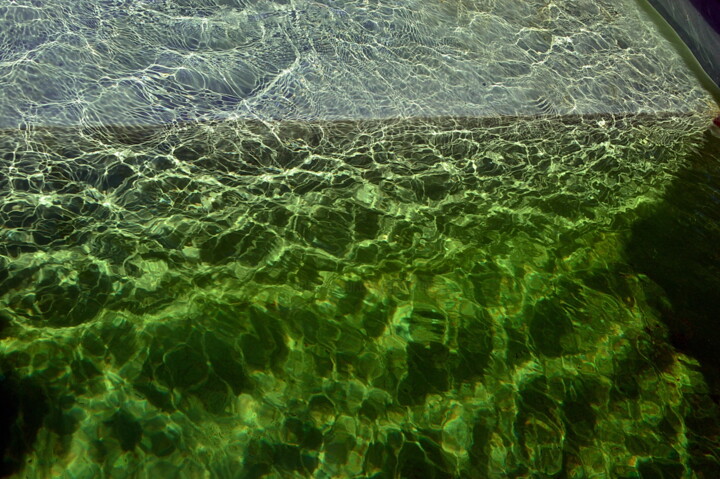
(384, 299)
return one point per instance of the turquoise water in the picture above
(349, 269)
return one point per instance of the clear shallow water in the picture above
(465, 296)
(84, 62)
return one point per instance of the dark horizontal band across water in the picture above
(313, 133)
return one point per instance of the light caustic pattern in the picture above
(140, 62)
(344, 299)
(359, 261)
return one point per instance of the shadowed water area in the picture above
(444, 239)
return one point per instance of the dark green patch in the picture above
(226, 362)
(374, 319)
(414, 462)
(214, 394)
(352, 299)
(23, 408)
(517, 348)
(480, 450)
(126, 429)
(658, 469)
(259, 460)
(62, 419)
(186, 366)
(118, 336)
(427, 373)
(5, 324)
(250, 245)
(163, 443)
(367, 223)
(475, 346)
(538, 428)
(303, 434)
(549, 325)
(625, 384)
(578, 412)
(265, 348)
(160, 398)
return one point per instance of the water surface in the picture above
(350, 239)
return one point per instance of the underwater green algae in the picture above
(447, 298)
